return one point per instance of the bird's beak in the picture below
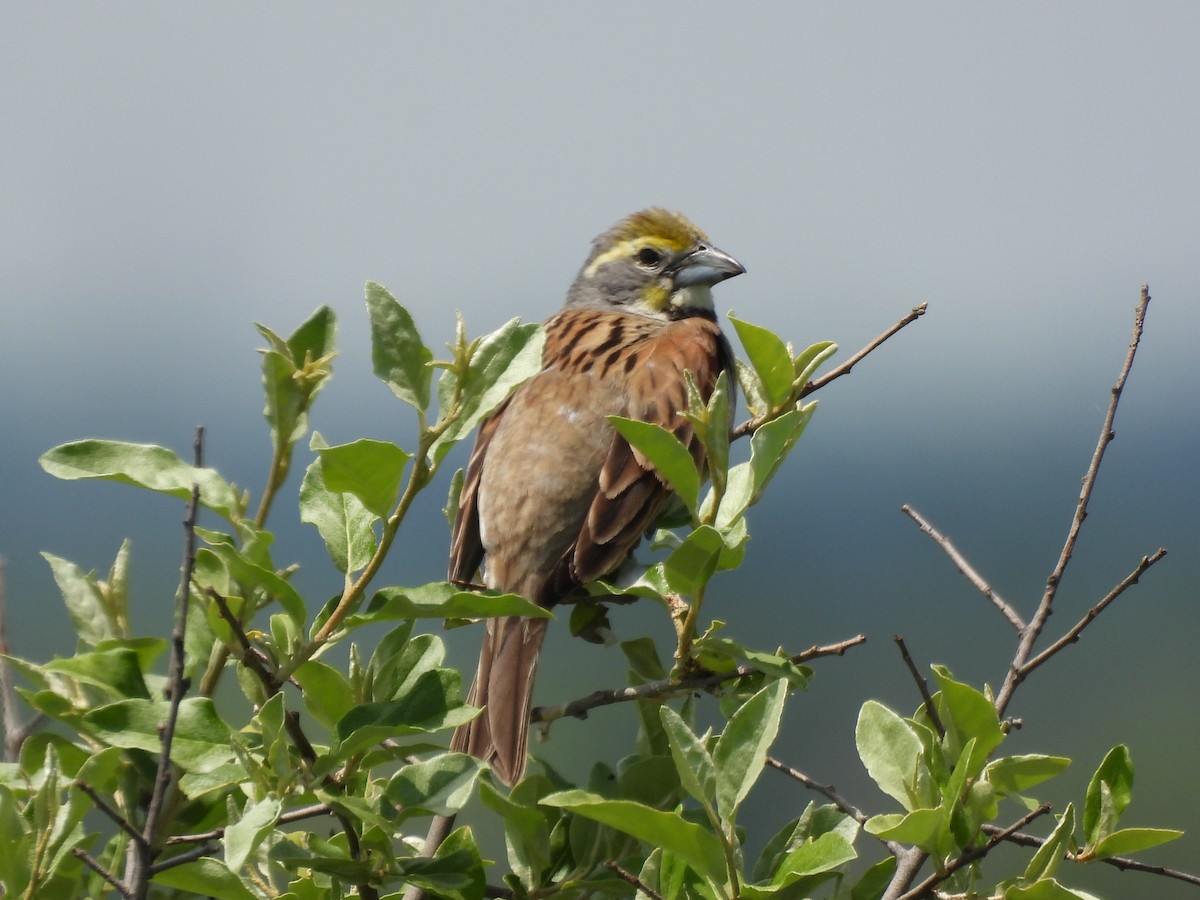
(705, 266)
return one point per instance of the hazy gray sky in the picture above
(174, 172)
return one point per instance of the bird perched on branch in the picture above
(553, 496)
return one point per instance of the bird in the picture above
(553, 497)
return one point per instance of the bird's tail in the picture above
(504, 688)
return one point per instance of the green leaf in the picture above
(201, 739)
(670, 831)
(142, 465)
(440, 786)
(206, 877)
(247, 832)
(245, 572)
(891, 750)
(327, 694)
(741, 751)
(770, 358)
(400, 357)
(697, 773)
(690, 566)
(1016, 774)
(809, 359)
(85, 604)
(118, 671)
(921, 827)
(1114, 775)
(370, 470)
(769, 447)
(968, 715)
(1060, 842)
(526, 829)
(451, 874)
(778, 664)
(345, 524)
(666, 453)
(1047, 889)
(499, 362)
(431, 704)
(1131, 840)
(824, 854)
(442, 600)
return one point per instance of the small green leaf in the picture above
(142, 465)
(526, 828)
(1046, 889)
(326, 691)
(968, 715)
(201, 739)
(770, 358)
(670, 831)
(1016, 774)
(442, 600)
(690, 566)
(206, 877)
(666, 453)
(118, 671)
(400, 357)
(697, 773)
(370, 470)
(921, 827)
(345, 524)
(891, 750)
(769, 447)
(85, 604)
(1132, 840)
(1060, 842)
(824, 854)
(499, 362)
(243, 836)
(1114, 775)
(809, 360)
(741, 751)
(440, 786)
(432, 704)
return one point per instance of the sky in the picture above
(174, 173)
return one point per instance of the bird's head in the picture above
(654, 263)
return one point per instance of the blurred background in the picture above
(173, 173)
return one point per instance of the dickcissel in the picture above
(553, 496)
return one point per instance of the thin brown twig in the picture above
(751, 425)
(87, 859)
(629, 878)
(1029, 635)
(1073, 633)
(666, 687)
(295, 815)
(138, 876)
(1121, 862)
(120, 821)
(961, 563)
(826, 790)
(922, 685)
(970, 855)
(183, 858)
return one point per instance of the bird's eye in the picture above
(649, 257)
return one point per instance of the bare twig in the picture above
(86, 858)
(295, 815)
(629, 878)
(666, 687)
(826, 790)
(751, 425)
(1073, 633)
(1121, 862)
(102, 805)
(183, 858)
(922, 685)
(1029, 635)
(969, 855)
(960, 563)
